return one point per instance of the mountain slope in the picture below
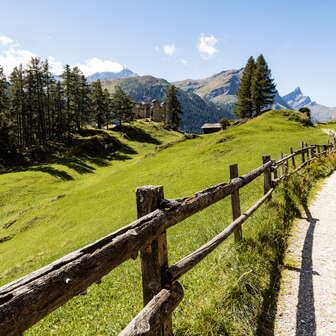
(111, 75)
(221, 89)
(196, 110)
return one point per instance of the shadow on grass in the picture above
(83, 156)
(63, 175)
(133, 133)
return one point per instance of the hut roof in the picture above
(215, 125)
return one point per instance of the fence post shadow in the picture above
(305, 314)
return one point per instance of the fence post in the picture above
(293, 158)
(313, 152)
(283, 168)
(267, 175)
(324, 149)
(275, 173)
(302, 153)
(154, 256)
(235, 203)
(318, 149)
(307, 151)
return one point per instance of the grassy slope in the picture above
(95, 204)
(328, 125)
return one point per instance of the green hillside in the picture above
(45, 216)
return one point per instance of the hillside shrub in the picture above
(225, 123)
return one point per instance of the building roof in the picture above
(215, 125)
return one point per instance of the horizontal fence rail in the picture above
(25, 301)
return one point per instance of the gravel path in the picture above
(307, 299)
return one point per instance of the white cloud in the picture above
(5, 40)
(207, 45)
(169, 49)
(96, 64)
(56, 67)
(14, 56)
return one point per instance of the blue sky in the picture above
(179, 39)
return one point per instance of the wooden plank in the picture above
(303, 152)
(25, 301)
(188, 262)
(235, 203)
(148, 321)
(154, 255)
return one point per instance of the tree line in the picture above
(36, 106)
(257, 89)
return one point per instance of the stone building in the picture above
(154, 110)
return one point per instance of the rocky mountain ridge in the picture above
(319, 112)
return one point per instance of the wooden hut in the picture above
(211, 128)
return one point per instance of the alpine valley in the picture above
(205, 100)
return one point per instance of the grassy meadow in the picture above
(48, 211)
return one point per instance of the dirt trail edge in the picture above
(307, 298)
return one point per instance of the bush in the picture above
(225, 122)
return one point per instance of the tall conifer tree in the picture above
(121, 105)
(173, 108)
(263, 88)
(244, 106)
(98, 103)
(3, 96)
(17, 106)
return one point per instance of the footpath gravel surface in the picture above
(307, 298)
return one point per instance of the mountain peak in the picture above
(296, 99)
(297, 91)
(124, 73)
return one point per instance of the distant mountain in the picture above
(296, 99)
(111, 75)
(196, 110)
(221, 89)
(320, 113)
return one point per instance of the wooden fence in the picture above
(27, 300)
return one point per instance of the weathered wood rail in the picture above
(27, 300)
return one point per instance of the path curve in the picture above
(307, 298)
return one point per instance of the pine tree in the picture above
(173, 108)
(108, 108)
(3, 97)
(85, 100)
(68, 96)
(263, 88)
(98, 103)
(244, 106)
(122, 105)
(17, 106)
